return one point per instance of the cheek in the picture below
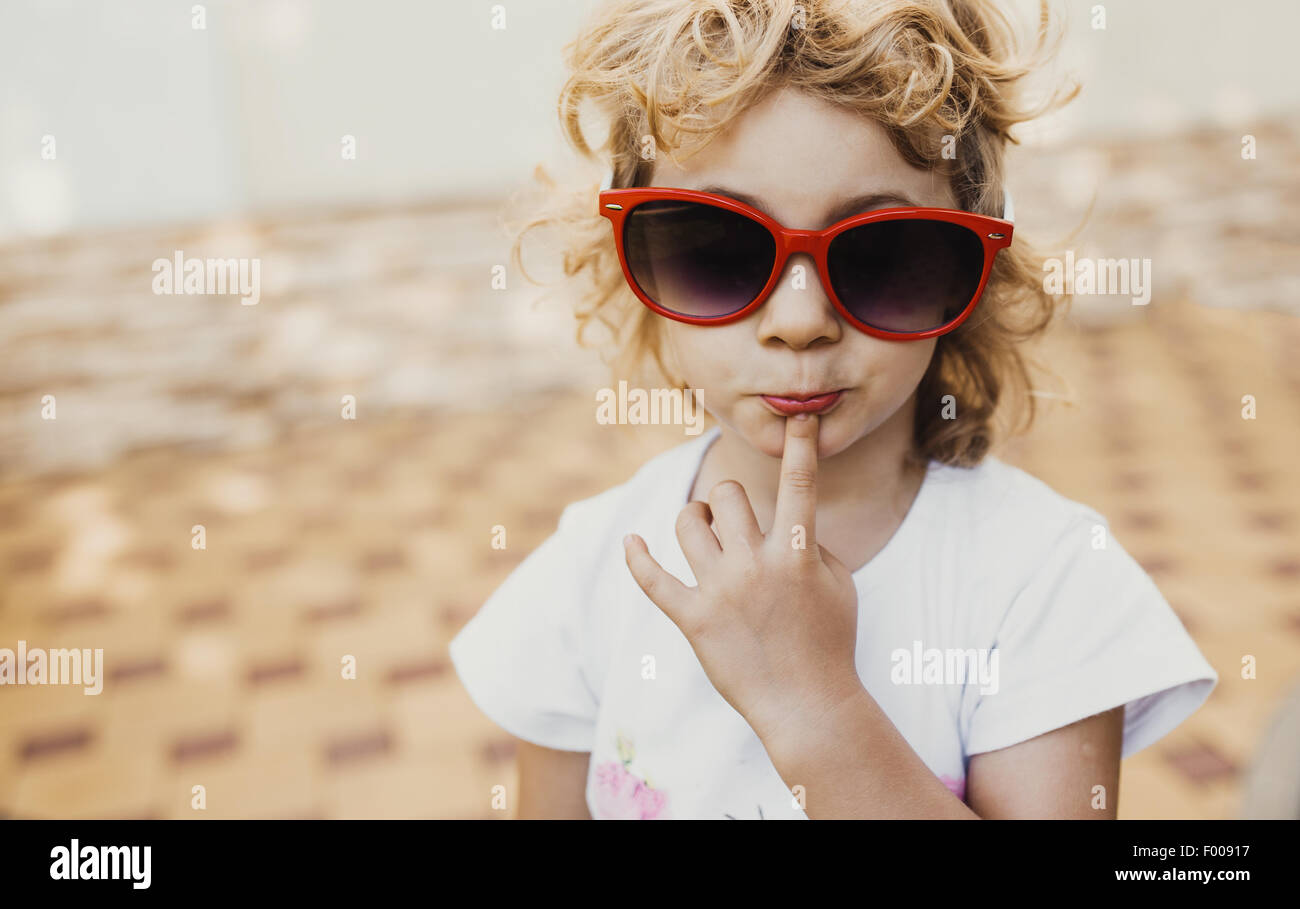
(704, 355)
(905, 358)
(907, 367)
(915, 357)
(889, 362)
(895, 370)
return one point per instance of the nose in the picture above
(798, 313)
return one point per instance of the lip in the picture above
(792, 403)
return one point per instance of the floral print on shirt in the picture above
(623, 795)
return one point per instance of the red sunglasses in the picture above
(898, 273)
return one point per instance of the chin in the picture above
(832, 435)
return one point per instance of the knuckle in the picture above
(649, 581)
(800, 478)
(725, 489)
(652, 586)
(808, 558)
(689, 515)
(789, 553)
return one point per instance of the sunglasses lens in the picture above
(697, 260)
(906, 275)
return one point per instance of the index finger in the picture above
(796, 496)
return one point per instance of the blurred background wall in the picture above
(158, 122)
(371, 536)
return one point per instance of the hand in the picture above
(774, 625)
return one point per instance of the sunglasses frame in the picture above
(993, 233)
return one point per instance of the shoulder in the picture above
(655, 485)
(1034, 550)
(1079, 626)
(653, 488)
(1003, 505)
(1001, 527)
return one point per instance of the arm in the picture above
(855, 764)
(552, 784)
(1052, 775)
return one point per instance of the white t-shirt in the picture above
(569, 653)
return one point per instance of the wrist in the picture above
(816, 721)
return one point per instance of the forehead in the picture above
(803, 156)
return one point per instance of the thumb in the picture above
(662, 588)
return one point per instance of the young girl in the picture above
(836, 602)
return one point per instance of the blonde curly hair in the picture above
(671, 74)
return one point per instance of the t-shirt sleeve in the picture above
(1088, 632)
(521, 657)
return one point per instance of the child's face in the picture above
(801, 158)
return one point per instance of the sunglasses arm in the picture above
(1008, 210)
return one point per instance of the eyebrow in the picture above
(853, 206)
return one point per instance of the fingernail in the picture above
(627, 540)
